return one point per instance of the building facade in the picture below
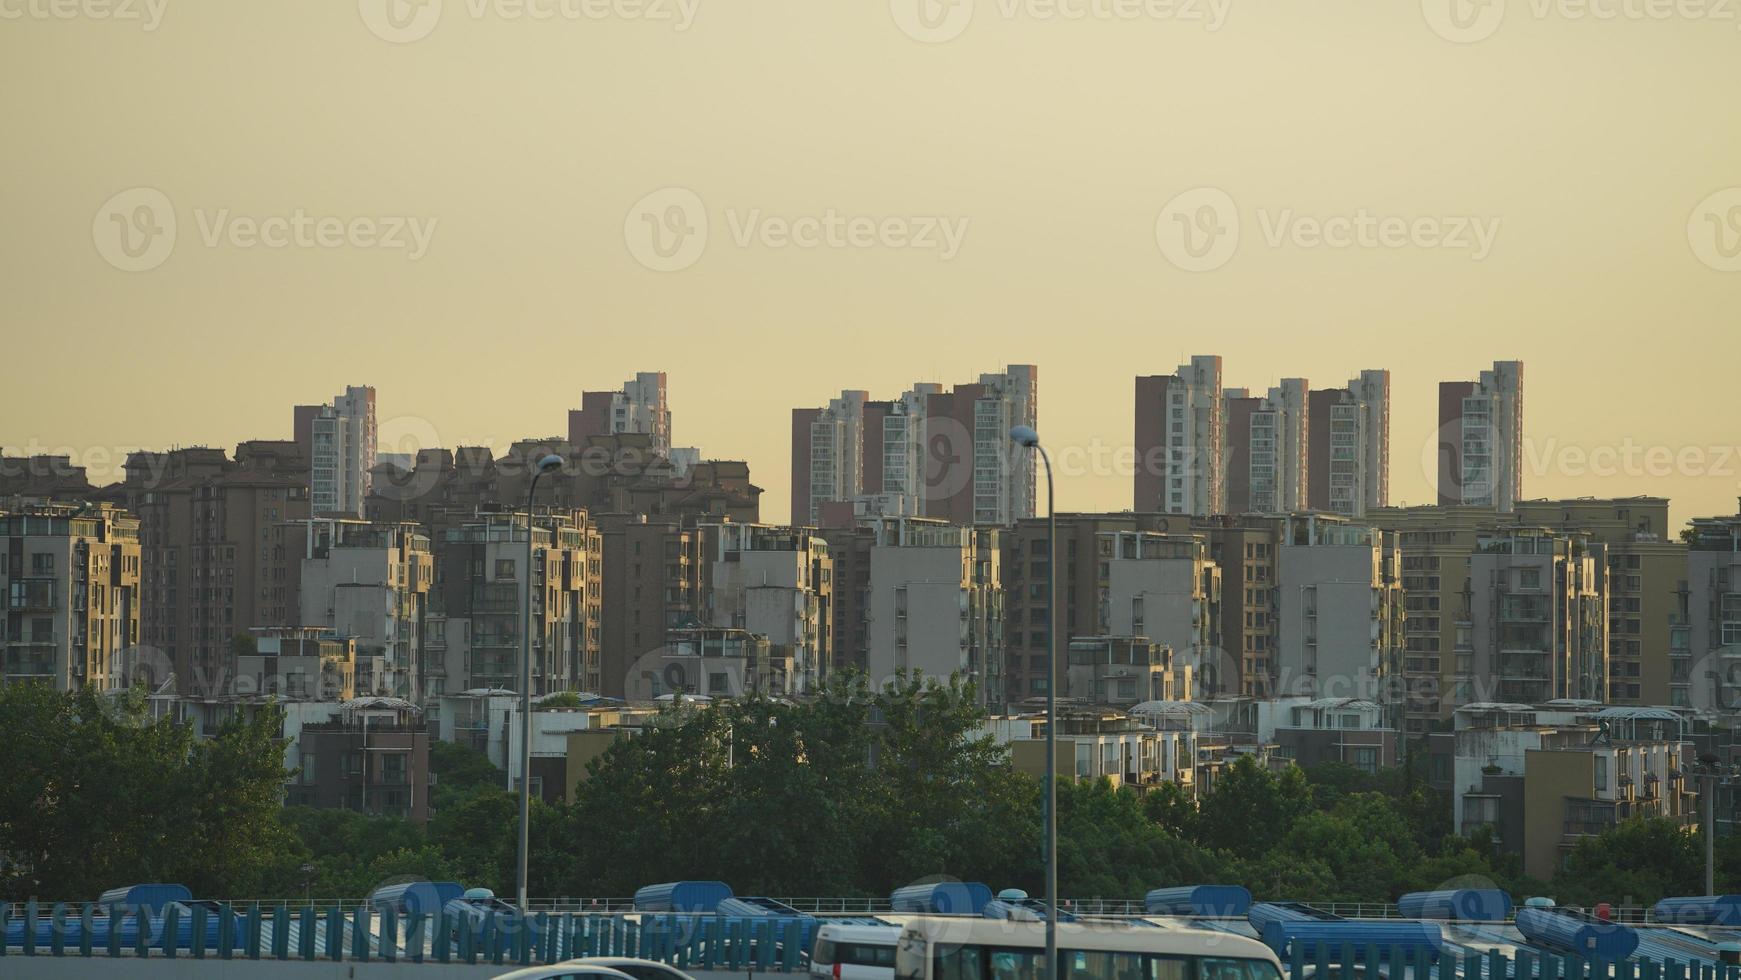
(935, 604)
(934, 452)
(1179, 439)
(776, 581)
(480, 570)
(1339, 610)
(1166, 587)
(1266, 444)
(70, 574)
(1481, 439)
(1349, 446)
(370, 582)
(1705, 645)
(341, 450)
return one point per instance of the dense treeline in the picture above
(855, 793)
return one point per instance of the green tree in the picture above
(1109, 848)
(460, 771)
(1250, 809)
(1174, 808)
(96, 793)
(1637, 862)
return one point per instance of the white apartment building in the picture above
(343, 447)
(1338, 609)
(1268, 439)
(1481, 439)
(1539, 617)
(370, 582)
(935, 605)
(1705, 640)
(775, 581)
(1004, 489)
(836, 453)
(1167, 588)
(1349, 456)
(1180, 440)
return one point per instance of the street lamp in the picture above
(1025, 437)
(543, 466)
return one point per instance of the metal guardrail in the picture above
(359, 934)
(1625, 914)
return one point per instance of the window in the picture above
(858, 954)
(1601, 773)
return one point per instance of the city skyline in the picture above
(1091, 143)
(1094, 474)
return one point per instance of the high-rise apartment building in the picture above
(1705, 648)
(1180, 433)
(1166, 587)
(339, 441)
(640, 406)
(1245, 547)
(653, 582)
(932, 452)
(370, 583)
(1084, 551)
(1540, 615)
(776, 582)
(935, 606)
(1348, 456)
(1338, 610)
(70, 577)
(1481, 439)
(1497, 610)
(1647, 569)
(1266, 449)
(213, 559)
(480, 577)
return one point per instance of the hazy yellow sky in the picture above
(531, 151)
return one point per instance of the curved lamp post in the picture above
(543, 466)
(1025, 437)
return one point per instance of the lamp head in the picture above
(1025, 436)
(550, 463)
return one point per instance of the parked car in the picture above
(565, 971)
(639, 969)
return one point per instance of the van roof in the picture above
(1107, 935)
(882, 935)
